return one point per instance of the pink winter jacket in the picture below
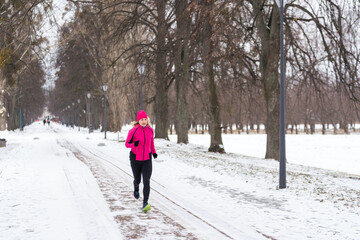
(145, 136)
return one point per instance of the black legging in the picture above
(144, 168)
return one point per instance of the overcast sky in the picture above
(50, 29)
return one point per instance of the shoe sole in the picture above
(146, 208)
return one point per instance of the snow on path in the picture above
(117, 191)
(196, 194)
(170, 217)
(46, 193)
(241, 195)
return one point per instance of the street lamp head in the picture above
(105, 87)
(141, 68)
(89, 95)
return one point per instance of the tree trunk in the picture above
(182, 69)
(312, 128)
(161, 98)
(216, 144)
(269, 64)
(3, 111)
(12, 112)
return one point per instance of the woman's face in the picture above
(143, 122)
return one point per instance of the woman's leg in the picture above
(146, 173)
(136, 169)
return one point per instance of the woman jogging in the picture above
(141, 141)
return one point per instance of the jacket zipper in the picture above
(144, 144)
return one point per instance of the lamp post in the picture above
(78, 114)
(2, 102)
(20, 115)
(141, 68)
(73, 114)
(69, 115)
(20, 120)
(105, 89)
(2, 111)
(62, 116)
(282, 172)
(89, 96)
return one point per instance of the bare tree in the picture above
(19, 42)
(182, 68)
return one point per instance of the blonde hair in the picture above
(134, 123)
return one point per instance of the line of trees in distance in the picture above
(213, 63)
(22, 75)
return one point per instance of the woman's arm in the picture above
(152, 145)
(128, 139)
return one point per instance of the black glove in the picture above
(136, 143)
(155, 155)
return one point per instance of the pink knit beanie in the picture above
(140, 115)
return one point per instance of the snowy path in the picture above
(58, 183)
(56, 186)
(46, 193)
(171, 217)
(115, 184)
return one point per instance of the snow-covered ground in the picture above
(335, 152)
(58, 183)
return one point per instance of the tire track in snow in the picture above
(182, 213)
(165, 197)
(185, 215)
(132, 222)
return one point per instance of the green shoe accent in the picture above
(146, 208)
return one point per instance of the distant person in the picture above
(141, 141)
(44, 121)
(48, 121)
